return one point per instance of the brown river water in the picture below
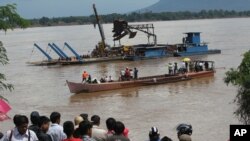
(205, 103)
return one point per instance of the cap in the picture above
(78, 119)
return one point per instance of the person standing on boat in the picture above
(122, 75)
(186, 66)
(85, 75)
(183, 66)
(170, 68)
(135, 73)
(201, 66)
(127, 74)
(89, 79)
(175, 68)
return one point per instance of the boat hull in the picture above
(144, 81)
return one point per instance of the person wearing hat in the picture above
(77, 121)
(170, 68)
(154, 134)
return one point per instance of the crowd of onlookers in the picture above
(45, 128)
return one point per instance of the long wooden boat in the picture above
(142, 81)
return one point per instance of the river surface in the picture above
(205, 103)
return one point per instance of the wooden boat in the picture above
(143, 81)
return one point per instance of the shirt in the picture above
(99, 134)
(87, 138)
(16, 136)
(43, 136)
(118, 138)
(72, 139)
(56, 132)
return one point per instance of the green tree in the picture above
(44, 21)
(240, 78)
(9, 19)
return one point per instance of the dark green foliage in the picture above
(141, 17)
(3, 60)
(240, 77)
(9, 19)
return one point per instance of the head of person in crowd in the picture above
(34, 118)
(55, 117)
(68, 128)
(110, 123)
(44, 123)
(95, 119)
(165, 138)
(15, 118)
(184, 132)
(85, 128)
(119, 128)
(84, 116)
(21, 122)
(154, 134)
(1, 135)
(78, 120)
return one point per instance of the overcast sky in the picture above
(61, 8)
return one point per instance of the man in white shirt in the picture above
(56, 130)
(21, 131)
(97, 133)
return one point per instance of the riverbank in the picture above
(139, 17)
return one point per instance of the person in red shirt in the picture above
(85, 75)
(68, 129)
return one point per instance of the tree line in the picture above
(139, 17)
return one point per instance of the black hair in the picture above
(119, 128)
(54, 116)
(84, 126)
(1, 135)
(95, 119)
(34, 117)
(20, 120)
(184, 129)
(43, 120)
(110, 123)
(68, 128)
(166, 139)
(154, 134)
(15, 118)
(84, 116)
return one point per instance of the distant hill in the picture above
(197, 5)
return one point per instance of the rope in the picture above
(31, 53)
